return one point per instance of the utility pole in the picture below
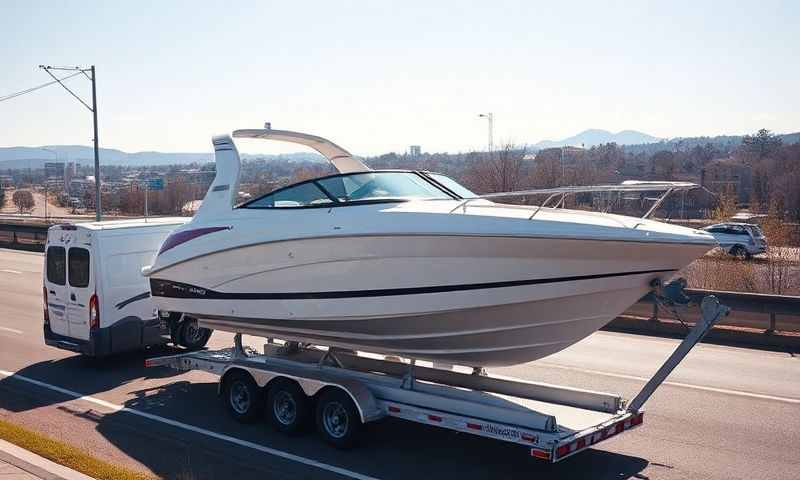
(47, 68)
(45, 181)
(490, 117)
(98, 208)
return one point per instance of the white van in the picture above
(96, 300)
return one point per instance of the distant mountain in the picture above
(32, 157)
(592, 137)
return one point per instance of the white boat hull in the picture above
(472, 300)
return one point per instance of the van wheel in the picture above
(191, 335)
(740, 252)
(338, 421)
(288, 407)
(242, 397)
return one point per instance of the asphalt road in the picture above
(725, 412)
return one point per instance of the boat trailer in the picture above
(340, 390)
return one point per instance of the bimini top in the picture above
(341, 159)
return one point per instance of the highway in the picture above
(725, 413)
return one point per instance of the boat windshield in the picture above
(452, 185)
(379, 186)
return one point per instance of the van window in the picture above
(78, 267)
(57, 265)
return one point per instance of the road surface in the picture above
(726, 413)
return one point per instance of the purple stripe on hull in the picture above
(182, 237)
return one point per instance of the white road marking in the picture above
(727, 391)
(219, 436)
(5, 270)
(12, 330)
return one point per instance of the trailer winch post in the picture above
(712, 311)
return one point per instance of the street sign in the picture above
(155, 184)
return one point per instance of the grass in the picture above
(67, 455)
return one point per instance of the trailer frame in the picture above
(552, 422)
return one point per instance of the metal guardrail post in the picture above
(772, 323)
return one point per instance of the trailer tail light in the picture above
(540, 454)
(597, 436)
(46, 312)
(94, 312)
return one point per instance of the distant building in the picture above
(415, 150)
(79, 186)
(54, 170)
(69, 172)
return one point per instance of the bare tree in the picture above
(500, 171)
(309, 172)
(726, 207)
(23, 200)
(548, 172)
(664, 164)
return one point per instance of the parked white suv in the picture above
(741, 240)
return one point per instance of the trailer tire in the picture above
(191, 336)
(338, 420)
(242, 397)
(288, 407)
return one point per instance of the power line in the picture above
(33, 89)
(47, 69)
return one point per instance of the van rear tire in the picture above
(191, 336)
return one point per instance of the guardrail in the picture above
(23, 236)
(51, 220)
(767, 312)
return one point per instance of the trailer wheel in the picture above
(242, 397)
(338, 420)
(191, 335)
(288, 407)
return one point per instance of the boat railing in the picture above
(561, 193)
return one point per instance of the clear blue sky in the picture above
(378, 76)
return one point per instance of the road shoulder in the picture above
(36, 465)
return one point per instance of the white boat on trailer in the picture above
(341, 391)
(411, 263)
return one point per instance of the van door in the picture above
(80, 288)
(55, 284)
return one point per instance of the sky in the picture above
(378, 76)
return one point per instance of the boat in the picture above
(410, 263)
